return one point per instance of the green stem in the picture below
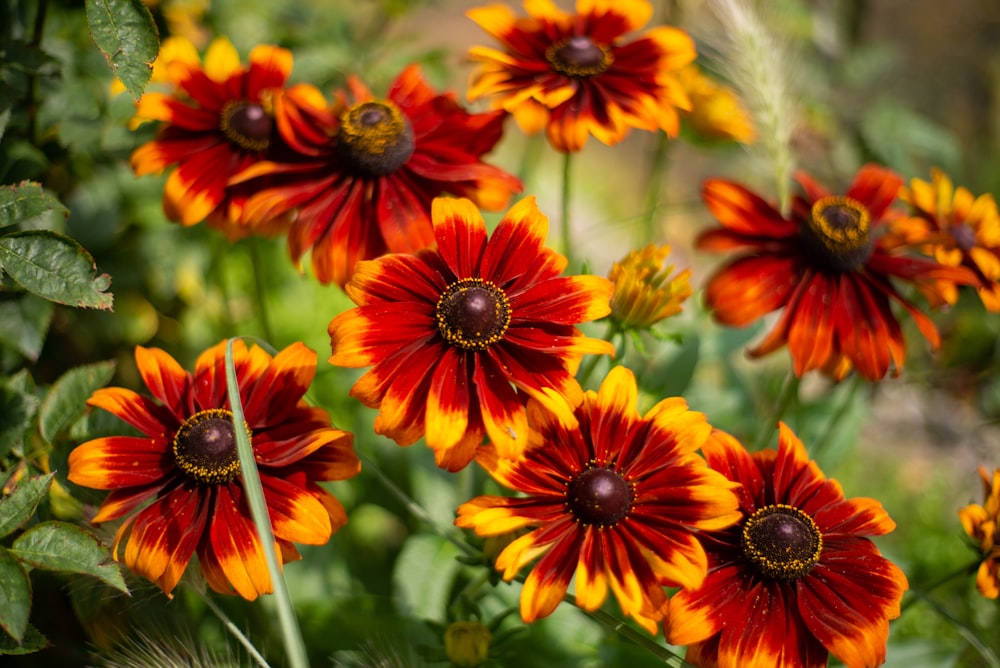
(234, 630)
(533, 146)
(567, 244)
(290, 631)
(919, 593)
(789, 392)
(963, 630)
(258, 284)
(654, 187)
(31, 104)
(648, 644)
(587, 366)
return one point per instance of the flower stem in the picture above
(290, 631)
(533, 146)
(258, 285)
(963, 630)
(567, 245)
(233, 629)
(587, 368)
(920, 593)
(789, 392)
(654, 187)
(626, 631)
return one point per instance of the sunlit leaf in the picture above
(60, 546)
(67, 398)
(25, 201)
(18, 507)
(423, 596)
(55, 267)
(15, 596)
(126, 35)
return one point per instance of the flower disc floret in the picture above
(205, 447)
(376, 137)
(599, 496)
(246, 124)
(472, 314)
(838, 230)
(579, 56)
(782, 542)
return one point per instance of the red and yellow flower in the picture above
(980, 523)
(716, 113)
(645, 292)
(956, 229)
(217, 121)
(459, 334)
(179, 485)
(367, 169)
(610, 497)
(577, 74)
(827, 266)
(797, 578)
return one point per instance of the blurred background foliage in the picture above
(908, 84)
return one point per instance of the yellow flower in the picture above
(644, 292)
(467, 644)
(716, 112)
(980, 522)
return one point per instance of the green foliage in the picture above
(126, 35)
(55, 267)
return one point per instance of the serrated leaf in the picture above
(55, 267)
(18, 507)
(16, 410)
(60, 546)
(426, 597)
(24, 321)
(15, 597)
(32, 642)
(126, 35)
(68, 396)
(26, 201)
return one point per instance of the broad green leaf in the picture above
(24, 322)
(15, 596)
(18, 507)
(60, 546)
(32, 641)
(68, 396)
(426, 597)
(17, 408)
(126, 35)
(25, 201)
(55, 267)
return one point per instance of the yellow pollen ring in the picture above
(261, 126)
(561, 57)
(841, 224)
(373, 127)
(781, 551)
(459, 330)
(193, 452)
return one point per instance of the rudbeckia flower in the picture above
(980, 523)
(457, 333)
(217, 121)
(956, 229)
(610, 497)
(368, 168)
(797, 578)
(578, 74)
(645, 292)
(828, 267)
(716, 113)
(179, 486)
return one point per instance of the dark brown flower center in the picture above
(782, 542)
(376, 137)
(246, 124)
(964, 236)
(579, 57)
(599, 496)
(838, 233)
(205, 447)
(472, 314)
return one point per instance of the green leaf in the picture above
(26, 201)
(19, 506)
(68, 396)
(60, 546)
(32, 641)
(55, 267)
(426, 597)
(16, 410)
(24, 321)
(15, 597)
(126, 35)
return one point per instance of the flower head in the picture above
(645, 292)
(716, 112)
(458, 332)
(612, 497)
(179, 486)
(217, 121)
(981, 522)
(827, 266)
(577, 75)
(366, 170)
(797, 578)
(467, 644)
(956, 229)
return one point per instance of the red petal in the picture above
(141, 412)
(744, 212)
(166, 379)
(461, 235)
(113, 462)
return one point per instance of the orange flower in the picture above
(716, 112)
(645, 292)
(827, 267)
(797, 578)
(981, 522)
(576, 75)
(459, 334)
(611, 497)
(179, 484)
